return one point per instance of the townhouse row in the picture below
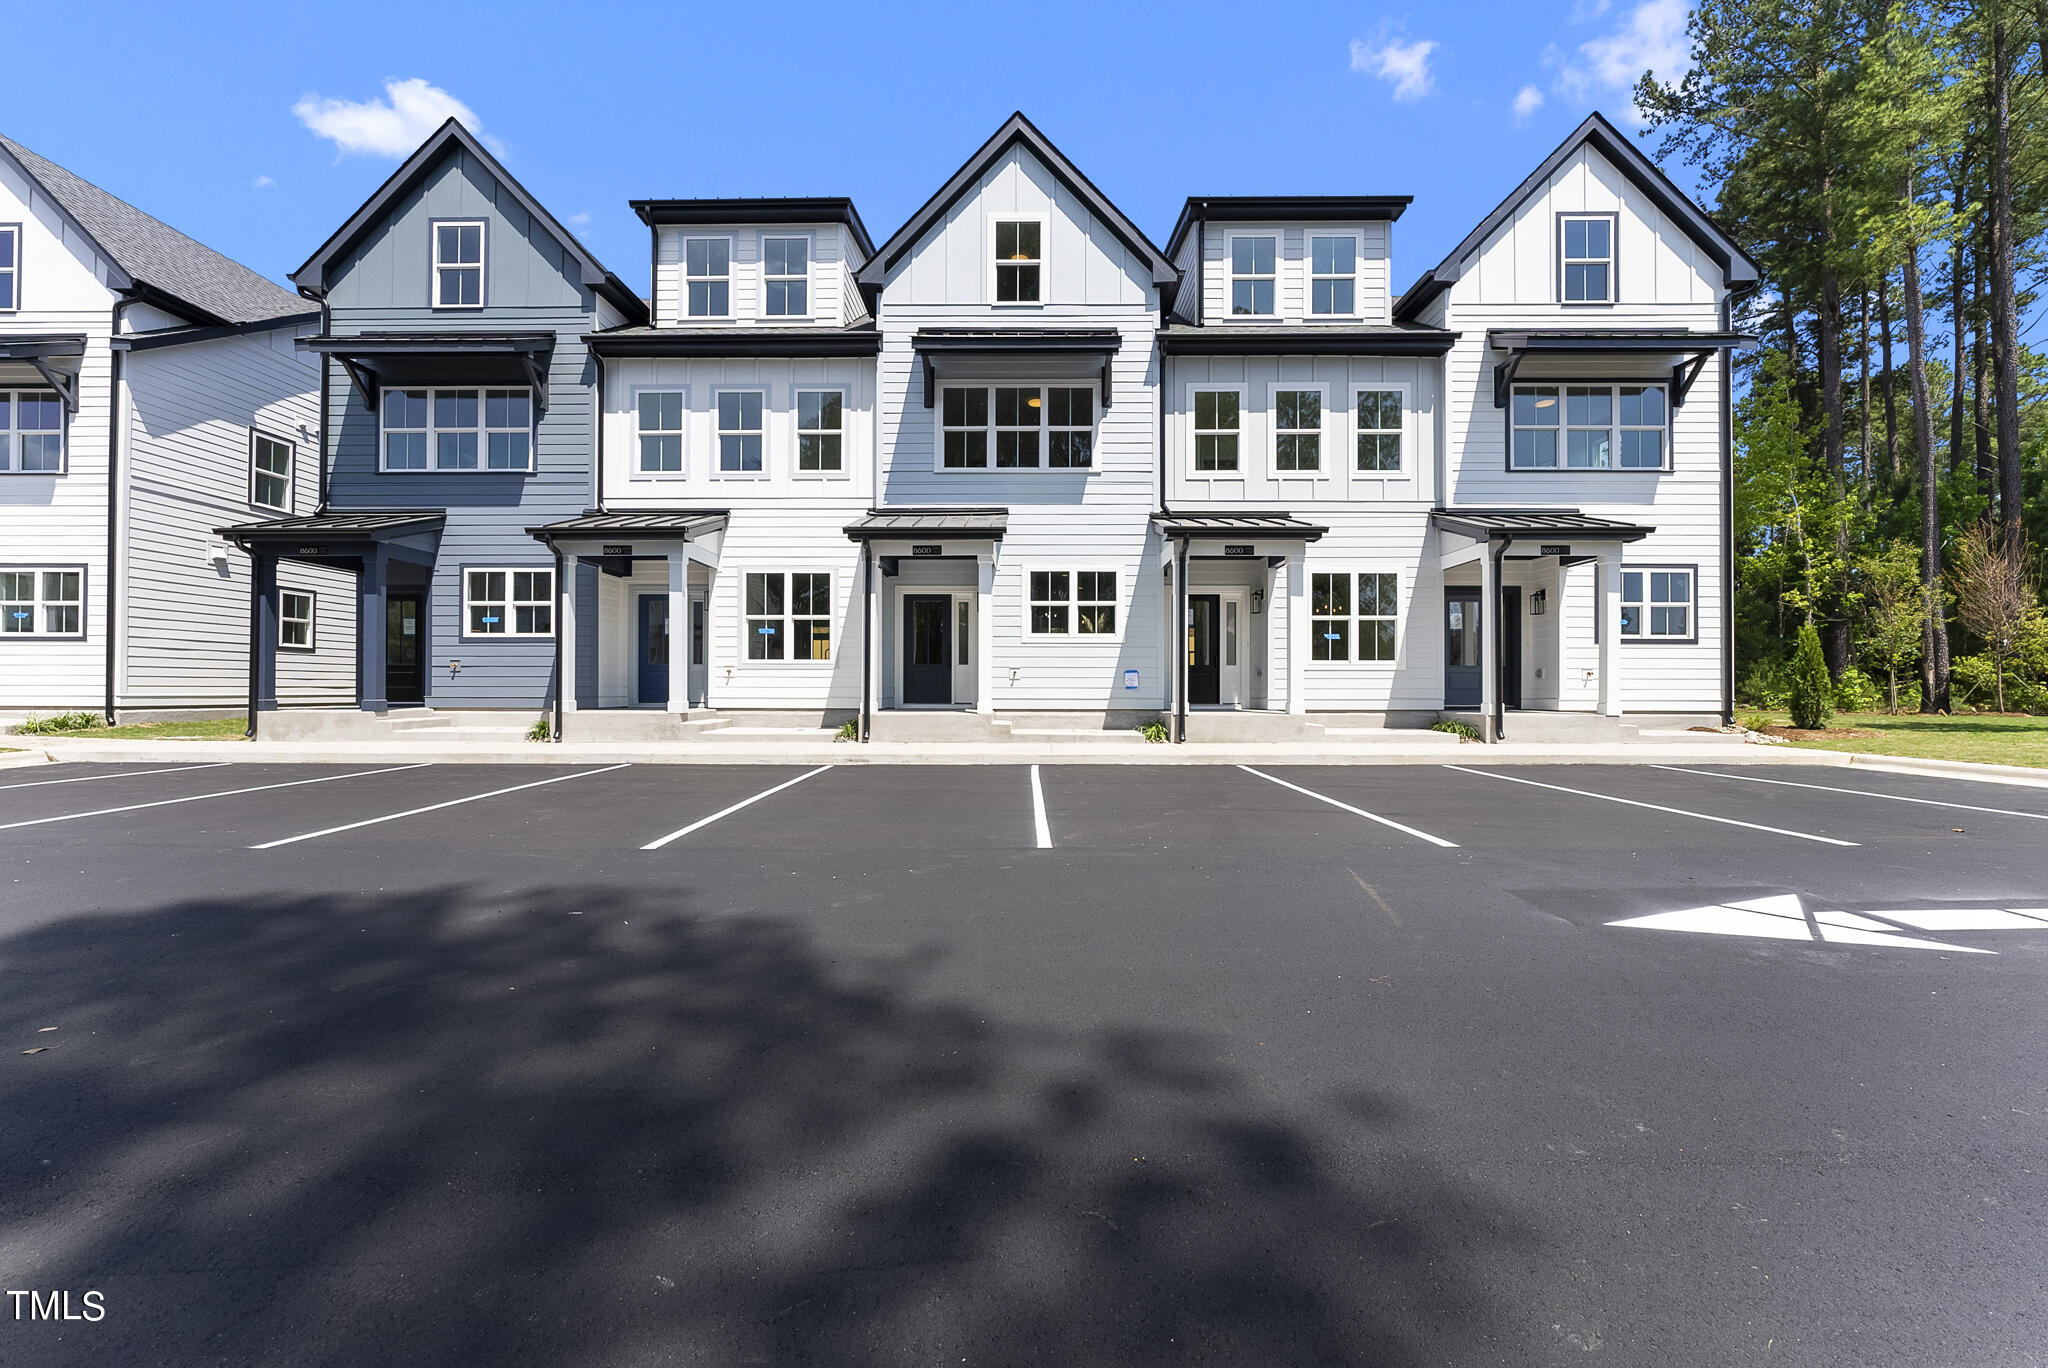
(1017, 468)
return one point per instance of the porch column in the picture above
(1296, 628)
(1489, 645)
(567, 628)
(984, 671)
(263, 626)
(1608, 607)
(868, 680)
(679, 628)
(711, 634)
(371, 583)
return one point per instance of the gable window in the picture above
(508, 602)
(1216, 421)
(270, 473)
(1603, 427)
(458, 429)
(1333, 280)
(1379, 430)
(661, 432)
(10, 268)
(1251, 274)
(1033, 427)
(707, 268)
(785, 270)
(1657, 604)
(1019, 259)
(739, 432)
(1587, 269)
(31, 432)
(1347, 609)
(1298, 430)
(42, 603)
(1073, 602)
(964, 418)
(789, 617)
(295, 620)
(459, 265)
(820, 419)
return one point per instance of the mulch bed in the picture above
(1821, 733)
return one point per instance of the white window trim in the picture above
(1045, 428)
(1614, 429)
(988, 255)
(483, 454)
(511, 632)
(291, 472)
(1613, 259)
(810, 284)
(1073, 636)
(1231, 277)
(796, 433)
(1243, 444)
(683, 277)
(833, 616)
(718, 470)
(634, 472)
(481, 265)
(36, 630)
(311, 620)
(1644, 604)
(1402, 603)
(14, 431)
(1406, 389)
(15, 269)
(1308, 298)
(1322, 470)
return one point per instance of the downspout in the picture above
(867, 636)
(1178, 643)
(1727, 417)
(255, 633)
(556, 548)
(326, 322)
(597, 494)
(116, 413)
(1500, 643)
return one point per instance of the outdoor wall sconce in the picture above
(1258, 602)
(1537, 601)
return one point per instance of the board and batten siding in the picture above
(835, 300)
(1291, 270)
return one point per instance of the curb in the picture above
(2020, 776)
(12, 759)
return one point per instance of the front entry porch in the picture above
(927, 581)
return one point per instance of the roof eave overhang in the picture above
(790, 342)
(1225, 341)
(657, 213)
(1294, 208)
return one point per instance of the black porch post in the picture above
(263, 633)
(867, 638)
(1179, 642)
(370, 628)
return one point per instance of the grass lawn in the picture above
(197, 729)
(1987, 739)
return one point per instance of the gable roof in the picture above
(157, 259)
(1016, 129)
(452, 136)
(1737, 265)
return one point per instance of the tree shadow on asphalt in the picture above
(591, 1127)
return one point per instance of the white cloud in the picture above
(1527, 101)
(1405, 66)
(390, 127)
(1585, 11)
(1651, 38)
(579, 220)
(261, 183)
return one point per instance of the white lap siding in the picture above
(1396, 541)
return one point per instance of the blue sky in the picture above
(258, 128)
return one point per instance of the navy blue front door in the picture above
(653, 648)
(1461, 648)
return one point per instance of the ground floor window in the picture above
(295, 620)
(43, 603)
(789, 615)
(1657, 604)
(1073, 602)
(508, 602)
(1353, 616)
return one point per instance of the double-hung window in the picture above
(785, 276)
(295, 619)
(1020, 260)
(10, 268)
(1657, 604)
(1017, 422)
(1216, 430)
(458, 429)
(963, 416)
(1073, 602)
(1333, 276)
(661, 432)
(508, 603)
(1298, 430)
(1070, 425)
(459, 265)
(707, 271)
(1348, 609)
(31, 432)
(1031, 427)
(739, 432)
(1379, 430)
(1252, 261)
(820, 424)
(1586, 264)
(270, 472)
(1598, 427)
(42, 603)
(789, 616)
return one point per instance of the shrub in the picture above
(1767, 685)
(1155, 731)
(540, 731)
(61, 722)
(848, 731)
(1857, 692)
(1811, 695)
(1464, 730)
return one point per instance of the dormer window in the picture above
(1251, 275)
(707, 266)
(459, 265)
(1586, 270)
(1333, 281)
(1019, 260)
(785, 273)
(10, 269)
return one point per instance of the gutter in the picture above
(1498, 616)
(556, 548)
(116, 413)
(867, 637)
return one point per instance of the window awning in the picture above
(1680, 353)
(1237, 339)
(377, 359)
(985, 523)
(1534, 524)
(1221, 526)
(1023, 353)
(42, 352)
(317, 535)
(681, 524)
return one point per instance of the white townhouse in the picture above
(149, 391)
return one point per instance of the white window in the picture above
(43, 603)
(1216, 431)
(10, 268)
(1657, 603)
(707, 270)
(1020, 259)
(508, 603)
(270, 472)
(785, 274)
(963, 417)
(459, 265)
(1072, 602)
(1603, 427)
(661, 432)
(1354, 616)
(1297, 430)
(1031, 427)
(1586, 268)
(789, 616)
(820, 424)
(1379, 430)
(31, 432)
(739, 432)
(1333, 275)
(1252, 261)
(458, 429)
(295, 620)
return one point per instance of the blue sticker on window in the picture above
(765, 631)
(19, 616)
(1333, 636)
(490, 619)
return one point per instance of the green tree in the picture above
(1812, 691)
(1894, 613)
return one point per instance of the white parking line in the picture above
(202, 797)
(1354, 811)
(1038, 811)
(744, 802)
(124, 774)
(1655, 807)
(434, 807)
(1859, 793)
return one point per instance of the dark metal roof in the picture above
(823, 209)
(1292, 208)
(687, 522)
(1504, 524)
(1094, 340)
(1236, 525)
(1739, 268)
(931, 522)
(41, 344)
(426, 343)
(737, 342)
(369, 524)
(1612, 339)
(157, 257)
(1016, 129)
(1400, 339)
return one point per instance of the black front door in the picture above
(1511, 646)
(405, 631)
(1461, 648)
(653, 648)
(927, 656)
(1205, 675)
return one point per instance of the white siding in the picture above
(835, 300)
(1292, 271)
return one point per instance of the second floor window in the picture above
(707, 269)
(31, 432)
(785, 272)
(1333, 282)
(964, 418)
(1035, 427)
(1216, 421)
(1600, 427)
(1252, 261)
(270, 473)
(1587, 243)
(739, 432)
(10, 269)
(459, 265)
(661, 432)
(1379, 430)
(1298, 430)
(819, 420)
(458, 429)
(1019, 259)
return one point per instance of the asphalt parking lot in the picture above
(621, 1065)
